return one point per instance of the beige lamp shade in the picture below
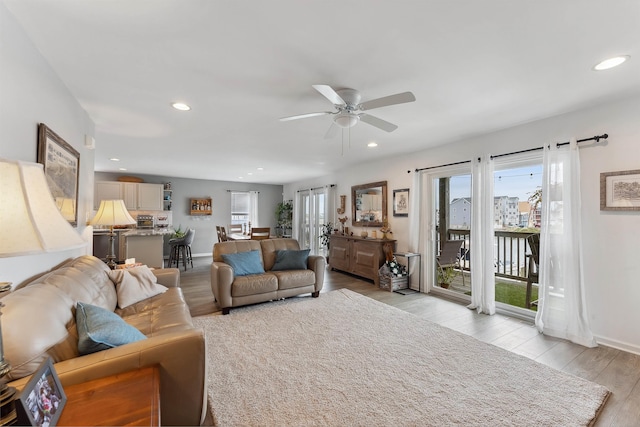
(112, 212)
(67, 208)
(30, 221)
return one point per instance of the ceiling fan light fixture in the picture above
(346, 120)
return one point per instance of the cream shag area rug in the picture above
(344, 359)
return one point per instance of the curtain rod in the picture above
(317, 188)
(559, 144)
(242, 191)
(596, 138)
(441, 166)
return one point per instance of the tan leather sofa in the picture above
(234, 291)
(39, 320)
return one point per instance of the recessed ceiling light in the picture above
(372, 144)
(122, 169)
(181, 106)
(114, 159)
(240, 177)
(610, 63)
(260, 169)
(249, 173)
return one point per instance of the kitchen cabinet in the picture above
(136, 196)
(357, 255)
(150, 197)
(106, 190)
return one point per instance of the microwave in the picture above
(145, 221)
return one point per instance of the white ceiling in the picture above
(474, 67)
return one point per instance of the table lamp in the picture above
(30, 224)
(112, 212)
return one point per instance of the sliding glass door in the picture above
(451, 216)
(312, 211)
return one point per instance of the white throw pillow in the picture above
(135, 284)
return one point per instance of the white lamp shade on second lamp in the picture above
(29, 219)
(112, 212)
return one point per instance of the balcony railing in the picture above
(510, 252)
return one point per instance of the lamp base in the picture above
(7, 406)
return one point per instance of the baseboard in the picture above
(624, 346)
(201, 255)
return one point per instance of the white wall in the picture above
(611, 240)
(31, 93)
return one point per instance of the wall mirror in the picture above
(369, 204)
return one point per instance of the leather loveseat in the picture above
(39, 320)
(231, 290)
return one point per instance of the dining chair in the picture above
(235, 228)
(222, 234)
(260, 233)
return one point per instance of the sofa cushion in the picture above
(244, 263)
(164, 313)
(295, 278)
(100, 329)
(50, 300)
(252, 285)
(134, 285)
(270, 246)
(291, 260)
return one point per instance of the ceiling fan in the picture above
(349, 110)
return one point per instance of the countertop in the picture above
(149, 232)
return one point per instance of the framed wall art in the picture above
(61, 168)
(620, 191)
(41, 401)
(401, 202)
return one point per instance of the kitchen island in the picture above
(146, 245)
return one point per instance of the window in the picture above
(239, 207)
(244, 208)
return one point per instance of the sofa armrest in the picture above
(221, 281)
(318, 264)
(169, 277)
(181, 357)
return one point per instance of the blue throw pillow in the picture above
(244, 263)
(100, 329)
(291, 260)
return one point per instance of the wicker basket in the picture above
(393, 283)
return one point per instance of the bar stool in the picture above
(182, 245)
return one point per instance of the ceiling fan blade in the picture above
(398, 98)
(333, 129)
(379, 123)
(330, 94)
(304, 116)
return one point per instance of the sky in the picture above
(516, 182)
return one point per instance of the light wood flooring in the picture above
(619, 371)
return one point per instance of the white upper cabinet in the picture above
(137, 197)
(106, 190)
(150, 197)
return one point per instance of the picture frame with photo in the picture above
(401, 202)
(42, 399)
(620, 191)
(62, 171)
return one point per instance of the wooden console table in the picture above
(128, 399)
(358, 255)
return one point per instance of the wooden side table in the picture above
(128, 399)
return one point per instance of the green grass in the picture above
(513, 294)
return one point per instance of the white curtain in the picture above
(297, 216)
(253, 208)
(482, 237)
(415, 224)
(562, 310)
(416, 229)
